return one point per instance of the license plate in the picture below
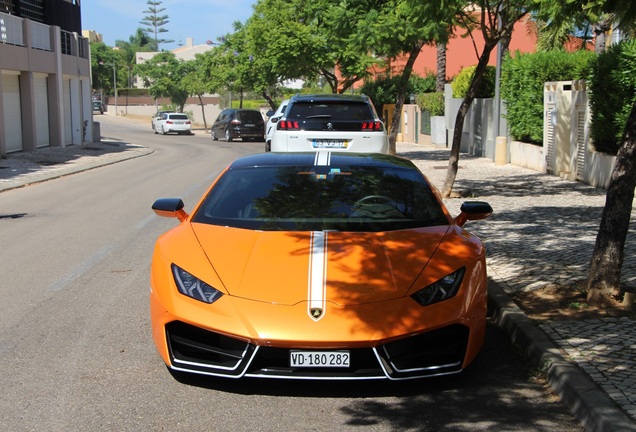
(249, 125)
(179, 122)
(319, 358)
(328, 143)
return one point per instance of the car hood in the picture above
(345, 268)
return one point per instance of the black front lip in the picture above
(435, 353)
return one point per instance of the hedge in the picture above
(612, 95)
(522, 81)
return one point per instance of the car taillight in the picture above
(372, 126)
(168, 122)
(235, 122)
(287, 125)
(188, 122)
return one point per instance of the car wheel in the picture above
(268, 146)
(214, 137)
(228, 136)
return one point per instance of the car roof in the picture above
(329, 98)
(321, 158)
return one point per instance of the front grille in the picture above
(273, 362)
(201, 350)
(436, 352)
(196, 350)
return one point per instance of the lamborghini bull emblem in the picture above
(316, 293)
(316, 313)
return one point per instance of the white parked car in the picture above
(330, 122)
(270, 128)
(157, 117)
(173, 122)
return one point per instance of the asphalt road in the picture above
(75, 345)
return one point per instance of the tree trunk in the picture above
(604, 277)
(453, 161)
(205, 123)
(401, 95)
(600, 32)
(269, 100)
(440, 76)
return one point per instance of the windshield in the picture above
(358, 198)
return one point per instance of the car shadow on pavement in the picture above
(498, 390)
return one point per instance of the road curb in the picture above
(585, 400)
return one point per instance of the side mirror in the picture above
(275, 119)
(473, 210)
(269, 113)
(170, 207)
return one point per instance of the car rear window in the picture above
(249, 116)
(178, 117)
(297, 198)
(336, 111)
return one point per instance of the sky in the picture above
(201, 20)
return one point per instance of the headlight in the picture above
(193, 287)
(441, 290)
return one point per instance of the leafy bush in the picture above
(522, 82)
(612, 95)
(462, 81)
(432, 102)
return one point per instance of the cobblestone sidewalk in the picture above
(542, 232)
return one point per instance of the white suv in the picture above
(273, 116)
(330, 122)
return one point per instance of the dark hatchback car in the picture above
(246, 124)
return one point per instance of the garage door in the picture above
(40, 90)
(12, 112)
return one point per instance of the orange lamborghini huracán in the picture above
(319, 266)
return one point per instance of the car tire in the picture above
(268, 146)
(214, 137)
(228, 136)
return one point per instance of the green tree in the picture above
(103, 58)
(398, 28)
(195, 84)
(165, 76)
(155, 22)
(139, 42)
(309, 40)
(487, 17)
(604, 276)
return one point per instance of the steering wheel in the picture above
(376, 207)
(373, 199)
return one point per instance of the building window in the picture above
(7, 6)
(32, 9)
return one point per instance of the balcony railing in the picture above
(12, 32)
(40, 36)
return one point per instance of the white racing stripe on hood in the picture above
(322, 158)
(317, 283)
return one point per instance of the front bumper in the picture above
(438, 352)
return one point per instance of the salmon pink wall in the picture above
(461, 51)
